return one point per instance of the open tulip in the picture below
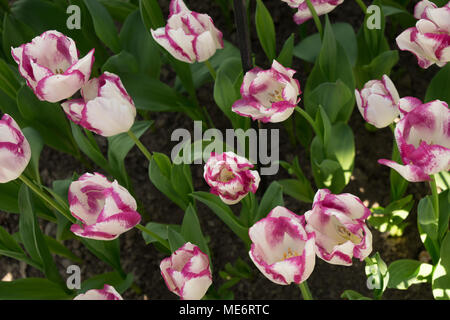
(107, 293)
(189, 36)
(106, 107)
(338, 222)
(230, 177)
(423, 139)
(429, 40)
(105, 208)
(187, 272)
(50, 66)
(321, 6)
(378, 102)
(268, 95)
(281, 247)
(15, 152)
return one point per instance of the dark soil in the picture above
(370, 182)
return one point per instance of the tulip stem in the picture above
(435, 195)
(46, 198)
(306, 293)
(362, 5)
(315, 17)
(139, 144)
(210, 69)
(309, 119)
(154, 235)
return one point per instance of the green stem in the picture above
(362, 5)
(154, 235)
(46, 198)
(309, 119)
(315, 17)
(211, 69)
(139, 144)
(392, 126)
(306, 293)
(435, 195)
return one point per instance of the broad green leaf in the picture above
(107, 251)
(121, 63)
(439, 87)
(353, 295)
(441, 274)
(405, 272)
(286, 54)
(398, 183)
(8, 82)
(272, 198)
(427, 218)
(58, 248)
(176, 240)
(444, 213)
(15, 33)
(378, 275)
(114, 279)
(151, 13)
(192, 231)
(265, 30)
(119, 9)
(297, 190)
(32, 289)
(36, 144)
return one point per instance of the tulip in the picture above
(107, 293)
(50, 66)
(338, 222)
(378, 102)
(188, 36)
(187, 272)
(15, 152)
(429, 40)
(423, 139)
(105, 208)
(230, 177)
(407, 104)
(106, 107)
(282, 249)
(268, 95)
(321, 6)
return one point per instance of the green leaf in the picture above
(118, 9)
(353, 295)
(272, 198)
(191, 230)
(15, 33)
(107, 251)
(224, 213)
(405, 272)
(443, 180)
(398, 183)
(176, 240)
(297, 190)
(9, 247)
(104, 25)
(58, 248)
(286, 54)
(120, 283)
(8, 82)
(121, 63)
(151, 13)
(181, 180)
(265, 30)
(439, 87)
(33, 239)
(378, 275)
(36, 144)
(441, 274)
(32, 289)
(444, 213)
(427, 219)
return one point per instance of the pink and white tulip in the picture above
(51, 67)
(282, 249)
(230, 177)
(189, 36)
(338, 222)
(321, 6)
(106, 108)
(187, 272)
(423, 139)
(107, 293)
(429, 40)
(268, 95)
(105, 208)
(15, 152)
(378, 102)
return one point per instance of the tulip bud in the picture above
(105, 208)
(378, 102)
(15, 152)
(321, 6)
(423, 139)
(338, 222)
(268, 95)
(50, 66)
(107, 293)
(188, 36)
(281, 247)
(187, 272)
(230, 177)
(106, 107)
(429, 40)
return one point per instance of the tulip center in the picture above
(346, 235)
(276, 96)
(59, 71)
(226, 175)
(290, 254)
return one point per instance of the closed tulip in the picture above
(338, 222)
(189, 36)
(268, 95)
(106, 108)
(282, 249)
(187, 272)
(15, 152)
(378, 102)
(429, 40)
(107, 293)
(230, 177)
(51, 67)
(105, 209)
(423, 139)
